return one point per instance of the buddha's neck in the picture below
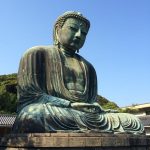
(67, 51)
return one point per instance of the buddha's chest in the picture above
(74, 74)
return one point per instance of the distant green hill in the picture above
(106, 104)
(8, 95)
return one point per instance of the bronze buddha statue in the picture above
(57, 88)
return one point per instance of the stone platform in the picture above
(75, 141)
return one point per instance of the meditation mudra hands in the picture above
(87, 107)
(90, 108)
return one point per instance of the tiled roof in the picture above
(145, 120)
(7, 119)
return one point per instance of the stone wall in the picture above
(75, 141)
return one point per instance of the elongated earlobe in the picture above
(56, 38)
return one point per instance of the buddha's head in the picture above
(70, 30)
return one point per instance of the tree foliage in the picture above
(8, 93)
(129, 110)
(106, 104)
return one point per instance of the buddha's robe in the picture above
(45, 97)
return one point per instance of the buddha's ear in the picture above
(58, 32)
(57, 35)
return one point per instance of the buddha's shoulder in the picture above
(84, 60)
(38, 49)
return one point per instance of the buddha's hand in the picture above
(104, 110)
(98, 107)
(87, 107)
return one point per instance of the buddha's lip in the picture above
(76, 40)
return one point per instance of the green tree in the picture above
(106, 104)
(8, 93)
(129, 110)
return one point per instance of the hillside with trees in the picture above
(8, 95)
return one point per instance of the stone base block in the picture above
(75, 141)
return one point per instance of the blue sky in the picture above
(118, 43)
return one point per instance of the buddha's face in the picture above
(73, 33)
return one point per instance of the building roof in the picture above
(145, 120)
(139, 106)
(7, 119)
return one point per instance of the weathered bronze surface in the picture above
(57, 88)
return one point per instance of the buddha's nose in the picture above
(78, 33)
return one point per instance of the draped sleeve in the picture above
(32, 79)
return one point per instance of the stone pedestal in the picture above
(75, 141)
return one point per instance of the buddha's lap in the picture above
(47, 110)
